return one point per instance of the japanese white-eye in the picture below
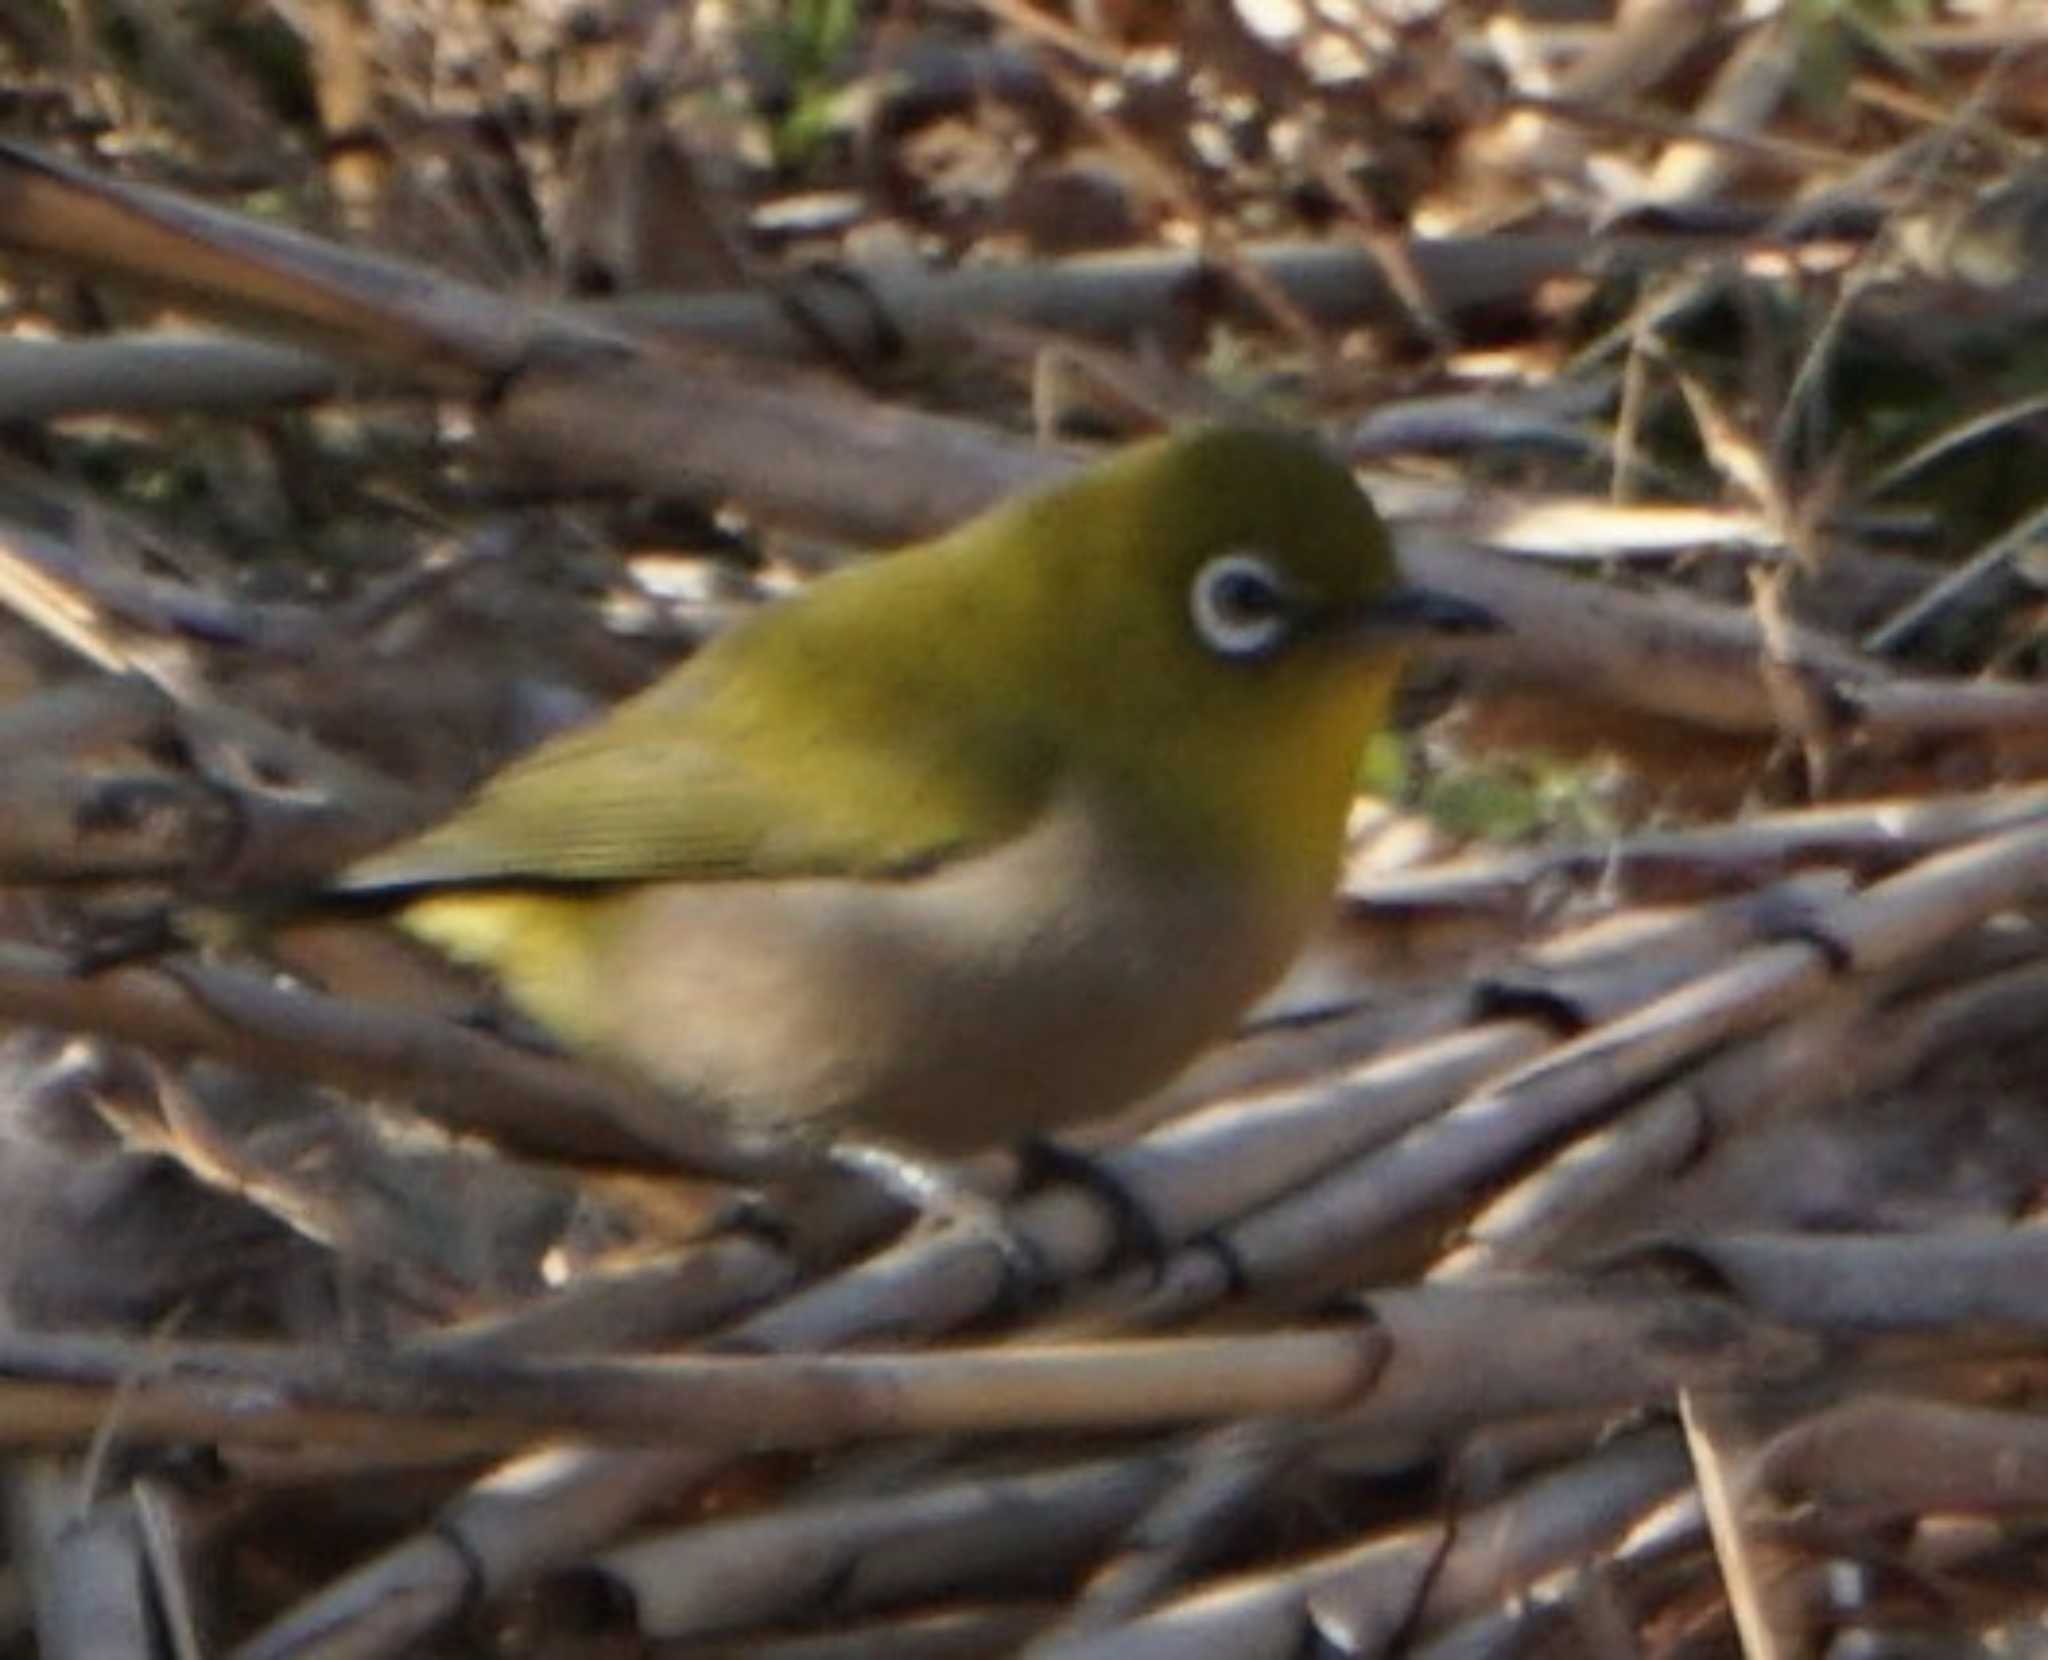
(967, 843)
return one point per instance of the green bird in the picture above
(966, 844)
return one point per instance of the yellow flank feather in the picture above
(536, 942)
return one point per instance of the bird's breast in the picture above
(1052, 979)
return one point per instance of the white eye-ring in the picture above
(1240, 605)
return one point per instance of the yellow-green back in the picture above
(913, 709)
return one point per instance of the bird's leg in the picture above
(943, 1197)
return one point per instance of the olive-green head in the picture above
(1245, 547)
(1213, 620)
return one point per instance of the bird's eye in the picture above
(1240, 605)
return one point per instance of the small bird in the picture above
(969, 843)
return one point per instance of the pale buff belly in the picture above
(954, 1011)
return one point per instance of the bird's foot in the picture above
(946, 1201)
(1042, 1160)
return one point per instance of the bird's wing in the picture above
(719, 800)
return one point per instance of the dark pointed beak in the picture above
(1423, 611)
